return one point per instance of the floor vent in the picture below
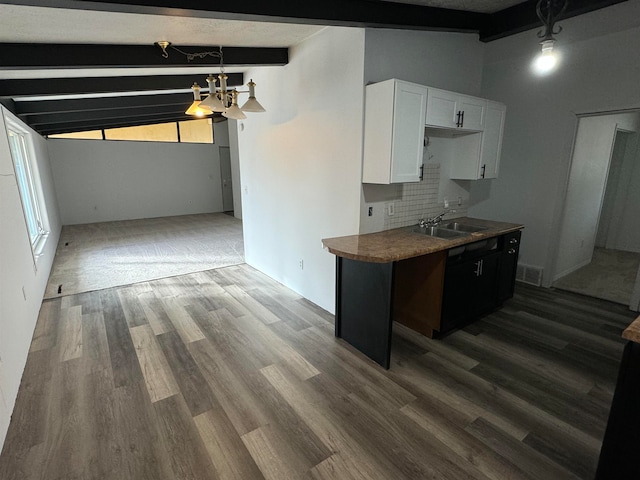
(529, 274)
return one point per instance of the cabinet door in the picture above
(473, 112)
(410, 105)
(458, 293)
(393, 132)
(442, 108)
(492, 140)
(470, 289)
(508, 265)
(486, 287)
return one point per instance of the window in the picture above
(160, 132)
(28, 185)
(188, 131)
(196, 131)
(86, 135)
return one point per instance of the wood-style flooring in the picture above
(95, 256)
(226, 374)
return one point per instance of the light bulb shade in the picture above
(213, 102)
(252, 105)
(234, 113)
(196, 109)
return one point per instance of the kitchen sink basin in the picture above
(439, 232)
(462, 227)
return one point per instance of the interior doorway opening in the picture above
(599, 245)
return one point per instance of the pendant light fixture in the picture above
(196, 107)
(220, 99)
(548, 12)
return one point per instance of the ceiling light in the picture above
(252, 105)
(219, 99)
(548, 11)
(196, 108)
(547, 60)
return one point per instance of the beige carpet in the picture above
(610, 276)
(104, 255)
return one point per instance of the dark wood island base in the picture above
(402, 276)
(621, 441)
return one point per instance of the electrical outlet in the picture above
(446, 203)
(391, 209)
(459, 201)
(301, 264)
(370, 211)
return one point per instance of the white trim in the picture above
(558, 276)
(34, 187)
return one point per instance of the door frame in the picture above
(634, 304)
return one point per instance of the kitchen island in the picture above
(427, 283)
(622, 436)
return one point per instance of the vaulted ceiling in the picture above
(72, 65)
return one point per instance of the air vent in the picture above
(529, 274)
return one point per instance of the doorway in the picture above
(225, 176)
(599, 246)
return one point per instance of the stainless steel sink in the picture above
(462, 227)
(439, 232)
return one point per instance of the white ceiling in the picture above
(27, 24)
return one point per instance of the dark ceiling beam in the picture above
(9, 104)
(78, 86)
(24, 109)
(523, 17)
(115, 113)
(349, 13)
(114, 123)
(46, 55)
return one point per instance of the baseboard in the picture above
(566, 272)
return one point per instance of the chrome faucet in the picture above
(433, 221)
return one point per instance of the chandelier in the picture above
(220, 98)
(548, 12)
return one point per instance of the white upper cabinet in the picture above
(442, 109)
(492, 140)
(472, 112)
(453, 110)
(395, 114)
(477, 155)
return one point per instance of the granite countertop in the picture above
(632, 332)
(402, 243)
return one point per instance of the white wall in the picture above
(236, 177)
(589, 167)
(21, 283)
(300, 161)
(598, 73)
(626, 226)
(101, 181)
(226, 135)
(452, 61)
(613, 187)
(619, 228)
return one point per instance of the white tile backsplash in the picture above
(420, 200)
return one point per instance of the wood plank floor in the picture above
(226, 374)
